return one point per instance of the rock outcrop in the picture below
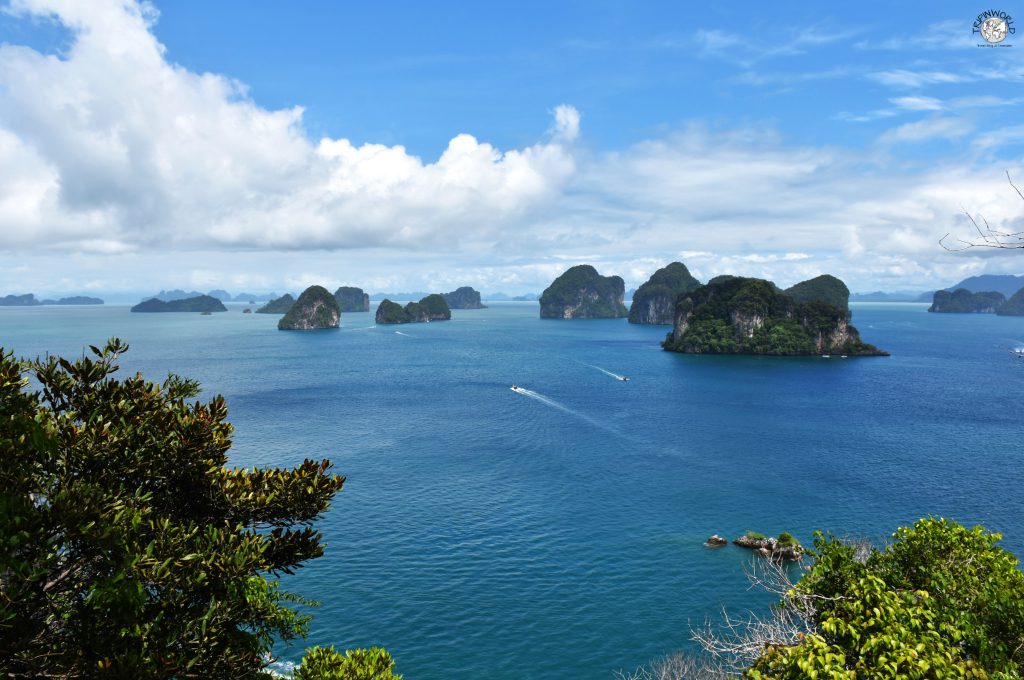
(963, 301)
(431, 308)
(1014, 306)
(655, 301)
(201, 303)
(279, 305)
(463, 298)
(785, 547)
(352, 299)
(735, 315)
(582, 293)
(315, 309)
(716, 541)
(825, 288)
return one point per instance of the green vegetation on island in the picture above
(736, 315)
(202, 303)
(655, 301)
(826, 288)
(280, 305)
(581, 293)
(130, 550)
(1014, 306)
(963, 301)
(352, 299)
(316, 309)
(463, 298)
(431, 308)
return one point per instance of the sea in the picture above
(558, 531)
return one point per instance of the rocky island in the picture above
(736, 315)
(582, 293)
(29, 300)
(352, 299)
(463, 298)
(315, 309)
(280, 305)
(431, 308)
(201, 303)
(963, 301)
(1014, 306)
(655, 301)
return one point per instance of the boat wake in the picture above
(561, 407)
(401, 333)
(609, 373)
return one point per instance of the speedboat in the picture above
(623, 378)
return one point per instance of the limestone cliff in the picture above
(463, 298)
(751, 316)
(315, 309)
(431, 308)
(963, 301)
(655, 301)
(582, 293)
(352, 299)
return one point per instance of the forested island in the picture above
(581, 293)
(315, 309)
(351, 299)
(202, 303)
(463, 298)
(431, 308)
(654, 302)
(963, 301)
(279, 305)
(29, 300)
(737, 315)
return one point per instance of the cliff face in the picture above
(279, 306)
(582, 293)
(202, 303)
(431, 308)
(963, 301)
(463, 298)
(751, 316)
(655, 301)
(315, 309)
(352, 299)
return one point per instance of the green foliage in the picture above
(391, 312)
(661, 291)
(315, 308)
(1014, 306)
(464, 298)
(786, 538)
(352, 299)
(279, 306)
(202, 303)
(756, 535)
(434, 307)
(324, 663)
(943, 601)
(824, 288)
(129, 549)
(590, 294)
(963, 301)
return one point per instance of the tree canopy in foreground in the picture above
(130, 550)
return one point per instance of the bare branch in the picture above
(989, 237)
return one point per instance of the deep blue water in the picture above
(485, 533)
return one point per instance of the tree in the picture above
(989, 237)
(128, 548)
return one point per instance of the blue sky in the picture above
(401, 145)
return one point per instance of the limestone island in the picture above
(352, 299)
(315, 309)
(201, 303)
(431, 308)
(463, 298)
(1014, 306)
(582, 293)
(655, 301)
(280, 305)
(785, 547)
(963, 301)
(737, 315)
(29, 300)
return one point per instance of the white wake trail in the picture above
(614, 375)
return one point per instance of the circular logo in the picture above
(994, 30)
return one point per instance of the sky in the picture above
(410, 146)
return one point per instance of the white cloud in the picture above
(917, 103)
(924, 130)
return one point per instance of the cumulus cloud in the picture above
(113, 139)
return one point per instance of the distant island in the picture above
(581, 293)
(431, 308)
(315, 309)
(201, 303)
(963, 301)
(222, 295)
(463, 298)
(29, 300)
(1014, 306)
(654, 302)
(352, 299)
(501, 297)
(737, 315)
(280, 305)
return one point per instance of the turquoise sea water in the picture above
(485, 533)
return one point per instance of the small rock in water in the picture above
(715, 541)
